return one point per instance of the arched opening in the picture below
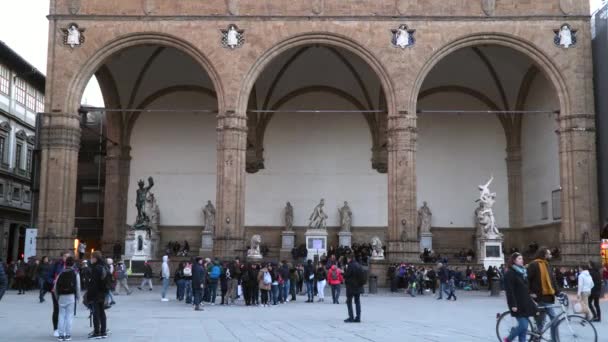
(158, 121)
(316, 126)
(489, 110)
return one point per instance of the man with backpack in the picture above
(121, 278)
(187, 277)
(147, 276)
(198, 282)
(354, 278)
(215, 271)
(98, 287)
(54, 271)
(309, 277)
(67, 290)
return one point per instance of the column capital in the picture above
(60, 137)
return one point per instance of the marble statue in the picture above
(73, 36)
(377, 251)
(318, 217)
(232, 38)
(143, 218)
(153, 212)
(254, 249)
(288, 216)
(565, 36)
(403, 37)
(346, 217)
(424, 218)
(209, 217)
(485, 214)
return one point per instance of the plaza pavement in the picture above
(142, 317)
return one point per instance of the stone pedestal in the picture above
(206, 249)
(345, 239)
(489, 251)
(254, 258)
(316, 242)
(288, 242)
(426, 241)
(141, 246)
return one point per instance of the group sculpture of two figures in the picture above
(484, 213)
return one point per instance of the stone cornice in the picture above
(60, 137)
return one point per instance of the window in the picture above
(18, 152)
(544, 210)
(39, 102)
(28, 159)
(5, 76)
(20, 91)
(16, 194)
(556, 204)
(2, 146)
(27, 196)
(31, 98)
(1, 190)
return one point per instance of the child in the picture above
(67, 288)
(452, 288)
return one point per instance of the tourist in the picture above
(147, 276)
(198, 282)
(452, 288)
(284, 282)
(585, 285)
(605, 279)
(233, 278)
(596, 292)
(248, 278)
(321, 278)
(82, 248)
(215, 271)
(43, 270)
(178, 278)
(21, 276)
(110, 294)
(521, 306)
(274, 285)
(97, 288)
(432, 279)
(411, 283)
(67, 289)
(354, 280)
(187, 277)
(542, 284)
(3, 280)
(300, 284)
(224, 283)
(122, 278)
(444, 277)
(165, 275)
(294, 280)
(335, 279)
(85, 274)
(309, 276)
(54, 272)
(264, 280)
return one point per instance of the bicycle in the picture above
(565, 327)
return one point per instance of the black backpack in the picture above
(66, 283)
(107, 279)
(361, 276)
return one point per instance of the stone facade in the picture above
(363, 28)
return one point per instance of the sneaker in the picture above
(139, 288)
(56, 333)
(164, 299)
(67, 338)
(93, 335)
(349, 320)
(60, 338)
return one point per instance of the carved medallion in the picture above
(73, 35)
(232, 6)
(318, 6)
(149, 6)
(403, 37)
(232, 37)
(567, 6)
(74, 7)
(489, 7)
(401, 6)
(565, 36)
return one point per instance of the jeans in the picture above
(146, 281)
(286, 289)
(188, 291)
(443, 288)
(520, 330)
(349, 305)
(99, 318)
(198, 295)
(42, 287)
(181, 286)
(165, 287)
(335, 293)
(540, 319)
(275, 293)
(309, 290)
(66, 317)
(321, 288)
(233, 285)
(594, 306)
(212, 290)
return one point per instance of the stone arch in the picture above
(78, 84)
(324, 38)
(545, 62)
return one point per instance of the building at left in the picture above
(21, 97)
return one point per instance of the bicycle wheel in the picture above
(505, 323)
(573, 328)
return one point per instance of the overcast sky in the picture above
(24, 28)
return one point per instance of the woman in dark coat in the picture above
(596, 292)
(520, 303)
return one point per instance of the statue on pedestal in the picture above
(346, 217)
(424, 218)
(377, 251)
(254, 249)
(143, 218)
(209, 217)
(318, 217)
(288, 216)
(485, 214)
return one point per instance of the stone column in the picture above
(515, 184)
(402, 237)
(231, 153)
(118, 163)
(59, 143)
(580, 222)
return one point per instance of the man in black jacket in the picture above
(596, 292)
(309, 276)
(353, 280)
(198, 281)
(444, 276)
(96, 294)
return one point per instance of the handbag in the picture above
(578, 307)
(239, 290)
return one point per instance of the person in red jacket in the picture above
(335, 279)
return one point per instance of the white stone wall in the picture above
(179, 151)
(313, 156)
(455, 154)
(540, 152)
